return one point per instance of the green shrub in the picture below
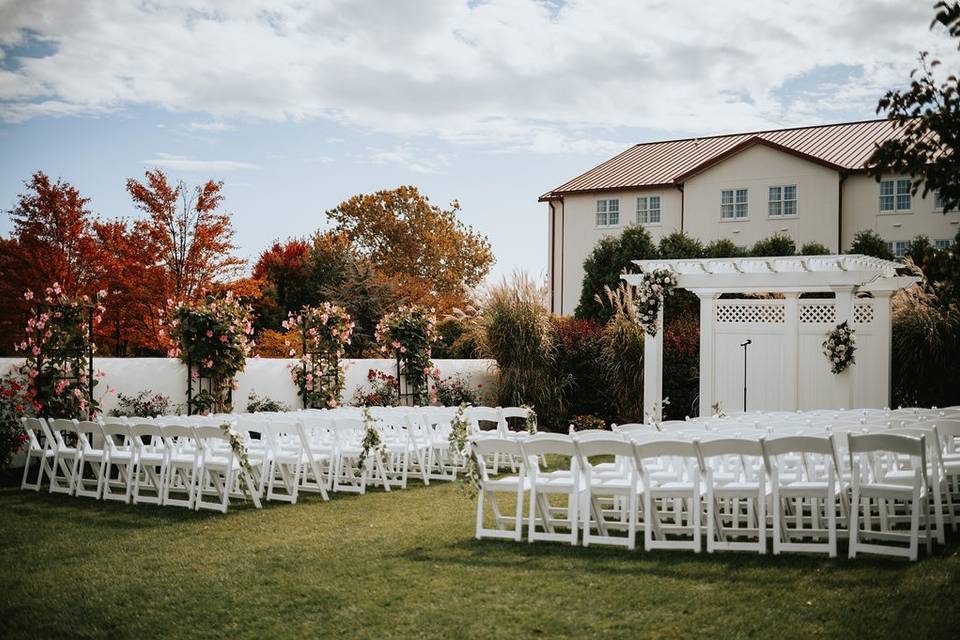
(814, 249)
(679, 245)
(257, 404)
(587, 422)
(776, 245)
(723, 248)
(869, 243)
(455, 390)
(145, 404)
(603, 267)
(578, 360)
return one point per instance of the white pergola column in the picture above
(708, 319)
(653, 371)
(844, 313)
(791, 349)
(883, 320)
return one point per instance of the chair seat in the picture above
(93, 454)
(882, 489)
(671, 487)
(121, 455)
(507, 482)
(802, 487)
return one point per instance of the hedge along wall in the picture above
(268, 377)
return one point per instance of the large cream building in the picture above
(808, 182)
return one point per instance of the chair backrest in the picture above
(147, 435)
(488, 447)
(34, 432)
(661, 448)
(114, 430)
(477, 415)
(59, 426)
(610, 445)
(888, 442)
(802, 447)
(548, 443)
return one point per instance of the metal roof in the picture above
(845, 146)
(809, 273)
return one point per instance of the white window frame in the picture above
(937, 201)
(606, 211)
(645, 210)
(942, 244)
(896, 192)
(893, 245)
(735, 204)
(781, 201)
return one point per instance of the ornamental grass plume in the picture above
(622, 353)
(514, 329)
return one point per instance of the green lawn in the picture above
(405, 564)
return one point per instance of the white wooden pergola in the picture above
(787, 369)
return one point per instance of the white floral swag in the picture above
(839, 347)
(651, 292)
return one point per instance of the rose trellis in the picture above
(324, 333)
(58, 347)
(213, 339)
(408, 334)
(651, 292)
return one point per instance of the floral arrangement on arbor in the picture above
(653, 289)
(14, 404)
(839, 347)
(57, 345)
(325, 331)
(381, 391)
(408, 334)
(213, 339)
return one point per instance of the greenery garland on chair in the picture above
(408, 334)
(213, 338)
(371, 441)
(459, 439)
(839, 347)
(325, 332)
(650, 295)
(240, 452)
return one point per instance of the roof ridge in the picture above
(762, 131)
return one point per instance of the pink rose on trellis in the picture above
(325, 331)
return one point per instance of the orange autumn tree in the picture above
(188, 237)
(423, 250)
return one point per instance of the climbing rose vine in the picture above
(325, 331)
(56, 346)
(407, 334)
(213, 338)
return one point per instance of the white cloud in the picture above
(189, 165)
(413, 158)
(505, 74)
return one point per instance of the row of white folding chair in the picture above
(723, 482)
(145, 458)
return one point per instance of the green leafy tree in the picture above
(776, 245)
(869, 243)
(679, 245)
(927, 117)
(604, 266)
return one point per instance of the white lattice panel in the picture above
(750, 314)
(818, 314)
(863, 313)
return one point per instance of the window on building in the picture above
(733, 204)
(937, 201)
(895, 195)
(648, 210)
(942, 245)
(608, 213)
(899, 248)
(782, 201)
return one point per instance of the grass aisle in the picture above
(405, 564)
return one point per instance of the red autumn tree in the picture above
(187, 234)
(52, 240)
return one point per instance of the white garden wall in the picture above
(269, 377)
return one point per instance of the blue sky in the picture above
(297, 106)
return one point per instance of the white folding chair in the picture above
(733, 471)
(515, 484)
(66, 455)
(150, 464)
(618, 483)
(544, 484)
(803, 477)
(40, 447)
(183, 464)
(287, 460)
(872, 457)
(120, 456)
(217, 471)
(89, 456)
(670, 476)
